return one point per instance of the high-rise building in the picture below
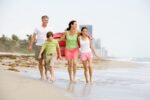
(90, 28)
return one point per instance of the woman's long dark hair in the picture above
(69, 25)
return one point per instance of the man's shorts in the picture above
(37, 51)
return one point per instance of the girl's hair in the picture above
(84, 28)
(49, 34)
(69, 25)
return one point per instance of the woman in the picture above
(86, 49)
(71, 50)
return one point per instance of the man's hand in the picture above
(30, 48)
(39, 57)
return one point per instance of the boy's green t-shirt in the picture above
(50, 47)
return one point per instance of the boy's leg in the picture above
(51, 64)
(46, 73)
(47, 66)
(51, 69)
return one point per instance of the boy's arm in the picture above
(33, 38)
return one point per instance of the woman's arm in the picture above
(58, 51)
(62, 37)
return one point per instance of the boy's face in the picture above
(50, 37)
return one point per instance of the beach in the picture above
(112, 80)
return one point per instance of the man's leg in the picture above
(41, 68)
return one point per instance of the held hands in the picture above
(60, 57)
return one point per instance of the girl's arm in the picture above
(93, 49)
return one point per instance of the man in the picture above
(39, 36)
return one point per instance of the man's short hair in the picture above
(45, 16)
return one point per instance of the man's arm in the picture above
(33, 38)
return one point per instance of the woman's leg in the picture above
(85, 70)
(70, 69)
(74, 69)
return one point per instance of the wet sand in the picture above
(109, 84)
(112, 80)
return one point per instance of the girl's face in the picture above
(74, 25)
(84, 31)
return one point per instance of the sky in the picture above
(122, 25)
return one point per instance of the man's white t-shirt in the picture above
(41, 34)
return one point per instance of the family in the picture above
(48, 51)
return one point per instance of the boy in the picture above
(51, 47)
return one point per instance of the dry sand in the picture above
(16, 87)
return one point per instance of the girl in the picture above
(86, 49)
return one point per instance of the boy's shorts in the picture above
(86, 56)
(50, 60)
(37, 52)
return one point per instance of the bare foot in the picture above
(52, 79)
(42, 78)
(74, 81)
(47, 77)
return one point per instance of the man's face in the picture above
(45, 21)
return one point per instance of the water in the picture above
(109, 84)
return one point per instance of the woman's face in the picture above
(74, 25)
(84, 31)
